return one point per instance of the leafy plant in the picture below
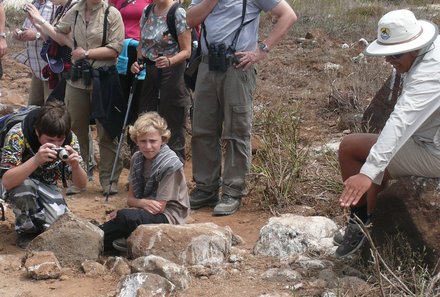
(280, 159)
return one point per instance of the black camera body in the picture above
(81, 69)
(220, 57)
(62, 153)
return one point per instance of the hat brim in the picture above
(57, 66)
(430, 32)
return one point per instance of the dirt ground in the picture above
(293, 71)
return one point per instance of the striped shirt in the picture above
(30, 56)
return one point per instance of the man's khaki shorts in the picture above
(414, 159)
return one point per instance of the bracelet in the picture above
(43, 21)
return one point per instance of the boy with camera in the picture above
(38, 152)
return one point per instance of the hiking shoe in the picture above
(120, 244)
(352, 240)
(201, 199)
(228, 205)
(90, 175)
(23, 239)
(73, 190)
(113, 190)
(338, 238)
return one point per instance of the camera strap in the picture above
(237, 33)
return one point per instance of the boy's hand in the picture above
(74, 158)
(45, 154)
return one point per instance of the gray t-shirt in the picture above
(225, 19)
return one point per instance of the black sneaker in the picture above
(23, 239)
(228, 205)
(201, 199)
(120, 244)
(353, 240)
(338, 238)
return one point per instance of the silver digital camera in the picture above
(62, 153)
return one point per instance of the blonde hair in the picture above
(147, 121)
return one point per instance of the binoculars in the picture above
(81, 69)
(220, 57)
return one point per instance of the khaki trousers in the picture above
(78, 102)
(222, 112)
(38, 92)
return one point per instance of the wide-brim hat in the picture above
(400, 32)
(56, 65)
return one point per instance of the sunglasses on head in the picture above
(395, 57)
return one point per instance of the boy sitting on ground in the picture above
(32, 168)
(157, 192)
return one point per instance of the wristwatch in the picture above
(37, 35)
(3, 34)
(263, 47)
(86, 54)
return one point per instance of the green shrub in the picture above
(280, 159)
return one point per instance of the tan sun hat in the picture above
(400, 32)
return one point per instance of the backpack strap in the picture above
(147, 12)
(171, 20)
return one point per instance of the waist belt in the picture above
(205, 59)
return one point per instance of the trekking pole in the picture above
(159, 78)
(130, 99)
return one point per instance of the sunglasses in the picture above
(396, 57)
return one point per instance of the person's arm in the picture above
(46, 28)
(99, 53)
(79, 175)
(181, 56)
(198, 13)
(3, 44)
(286, 18)
(147, 204)
(16, 175)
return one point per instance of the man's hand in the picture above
(354, 188)
(247, 59)
(154, 206)
(45, 154)
(27, 35)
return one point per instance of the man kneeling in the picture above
(34, 162)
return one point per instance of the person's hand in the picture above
(17, 34)
(74, 158)
(135, 68)
(45, 154)
(154, 206)
(3, 46)
(354, 188)
(247, 59)
(162, 62)
(33, 13)
(25, 35)
(78, 53)
(112, 215)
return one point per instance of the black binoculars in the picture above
(81, 69)
(220, 57)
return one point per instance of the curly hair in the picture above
(146, 122)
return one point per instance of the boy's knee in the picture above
(124, 215)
